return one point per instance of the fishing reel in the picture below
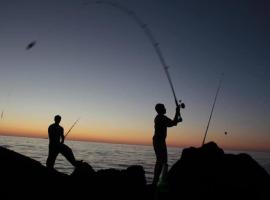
(181, 105)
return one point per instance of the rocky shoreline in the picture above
(200, 173)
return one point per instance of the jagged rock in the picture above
(201, 173)
(120, 183)
(24, 177)
(83, 171)
(208, 173)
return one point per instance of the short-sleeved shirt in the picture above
(55, 131)
(161, 124)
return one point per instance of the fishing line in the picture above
(149, 35)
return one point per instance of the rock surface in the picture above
(209, 173)
(201, 173)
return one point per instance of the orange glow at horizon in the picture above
(180, 136)
(176, 137)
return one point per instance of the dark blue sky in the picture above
(94, 61)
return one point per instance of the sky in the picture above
(93, 62)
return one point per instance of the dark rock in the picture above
(208, 173)
(23, 177)
(201, 173)
(83, 171)
(135, 176)
(120, 183)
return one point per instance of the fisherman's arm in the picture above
(176, 119)
(49, 132)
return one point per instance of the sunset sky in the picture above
(95, 63)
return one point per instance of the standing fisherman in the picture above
(161, 121)
(159, 139)
(56, 144)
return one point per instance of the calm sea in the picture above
(104, 155)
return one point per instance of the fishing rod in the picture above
(72, 127)
(213, 106)
(150, 36)
(2, 114)
(5, 107)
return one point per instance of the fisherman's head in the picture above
(160, 108)
(57, 119)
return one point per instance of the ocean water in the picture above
(104, 155)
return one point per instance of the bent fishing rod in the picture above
(213, 106)
(151, 38)
(72, 127)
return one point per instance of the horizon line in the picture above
(140, 144)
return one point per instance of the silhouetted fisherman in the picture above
(30, 45)
(159, 139)
(56, 144)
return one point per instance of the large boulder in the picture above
(23, 177)
(121, 184)
(208, 173)
(201, 173)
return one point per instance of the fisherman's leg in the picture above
(159, 163)
(164, 163)
(68, 154)
(157, 172)
(53, 153)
